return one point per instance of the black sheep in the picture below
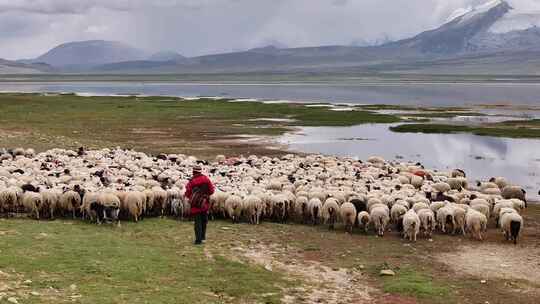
(29, 188)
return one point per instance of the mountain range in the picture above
(490, 38)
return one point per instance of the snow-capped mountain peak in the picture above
(516, 19)
(480, 9)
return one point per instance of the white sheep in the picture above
(512, 226)
(435, 206)
(133, 204)
(51, 201)
(411, 225)
(501, 182)
(348, 216)
(314, 207)
(177, 208)
(280, 205)
(475, 223)
(380, 218)
(457, 183)
(234, 207)
(417, 181)
(329, 212)
(427, 221)
(70, 202)
(482, 208)
(363, 220)
(8, 200)
(445, 215)
(441, 187)
(32, 202)
(418, 206)
(459, 220)
(253, 206)
(302, 211)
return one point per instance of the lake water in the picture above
(481, 157)
(440, 94)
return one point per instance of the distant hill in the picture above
(167, 56)
(90, 53)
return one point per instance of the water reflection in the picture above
(482, 157)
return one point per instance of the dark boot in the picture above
(204, 223)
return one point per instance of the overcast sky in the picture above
(28, 28)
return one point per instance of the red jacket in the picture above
(197, 181)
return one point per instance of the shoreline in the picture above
(507, 106)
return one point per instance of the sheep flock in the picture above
(376, 196)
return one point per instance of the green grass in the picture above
(412, 283)
(528, 123)
(149, 262)
(443, 114)
(381, 107)
(497, 130)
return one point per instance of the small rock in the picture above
(13, 300)
(35, 293)
(73, 287)
(225, 228)
(28, 282)
(483, 282)
(505, 265)
(361, 267)
(387, 272)
(268, 267)
(430, 240)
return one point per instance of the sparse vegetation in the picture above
(496, 130)
(156, 124)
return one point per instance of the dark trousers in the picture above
(201, 220)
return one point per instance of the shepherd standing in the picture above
(198, 191)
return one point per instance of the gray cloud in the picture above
(193, 27)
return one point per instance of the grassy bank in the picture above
(523, 129)
(157, 124)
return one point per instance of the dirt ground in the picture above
(495, 261)
(322, 283)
